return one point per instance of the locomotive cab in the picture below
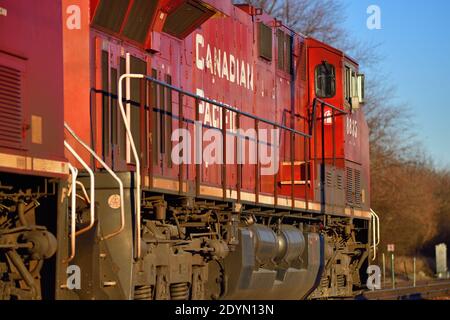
(340, 141)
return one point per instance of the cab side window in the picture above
(325, 79)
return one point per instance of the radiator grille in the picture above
(143, 12)
(10, 107)
(185, 17)
(110, 14)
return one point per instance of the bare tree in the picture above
(411, 196)
(320, 19)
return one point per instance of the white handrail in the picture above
(375, 232)
(378, 227)
(84, 191)
(136, 157)
(374, 237)
(74, 174)
(92, 190)
(112, 173)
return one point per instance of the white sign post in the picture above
(441, 261)
(391, 249)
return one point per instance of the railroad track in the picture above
(425, 291)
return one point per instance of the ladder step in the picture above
(296, 163)
(296, 182)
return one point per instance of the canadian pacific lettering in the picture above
(222, 64)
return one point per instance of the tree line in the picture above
(408, 191)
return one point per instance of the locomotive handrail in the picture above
(314, 110)
(313, 127)
(329, 105)
(115, 177)
(375, 232)
(378, 228)
(74, 173)
(167, 113)
(136, 157)
(84, 191)
(92, 190)
(238, 113)
(225, 106)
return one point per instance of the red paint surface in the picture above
(31, 40)
(275, 95)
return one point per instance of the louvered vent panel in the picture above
(349, 189)
(329, 179)
(339, 182)
(10, 107)
(358, 188)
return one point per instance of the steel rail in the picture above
(428, 290)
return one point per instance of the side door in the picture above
(112, 61)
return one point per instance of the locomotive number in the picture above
(352, 128)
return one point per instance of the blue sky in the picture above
(415, 46)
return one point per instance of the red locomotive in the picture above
(178, 149)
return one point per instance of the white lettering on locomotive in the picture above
(223, 65)
(352, 127)
(328, 117)
(212, 114)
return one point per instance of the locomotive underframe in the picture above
(27, 241)
(191, 246)
(204, 248)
